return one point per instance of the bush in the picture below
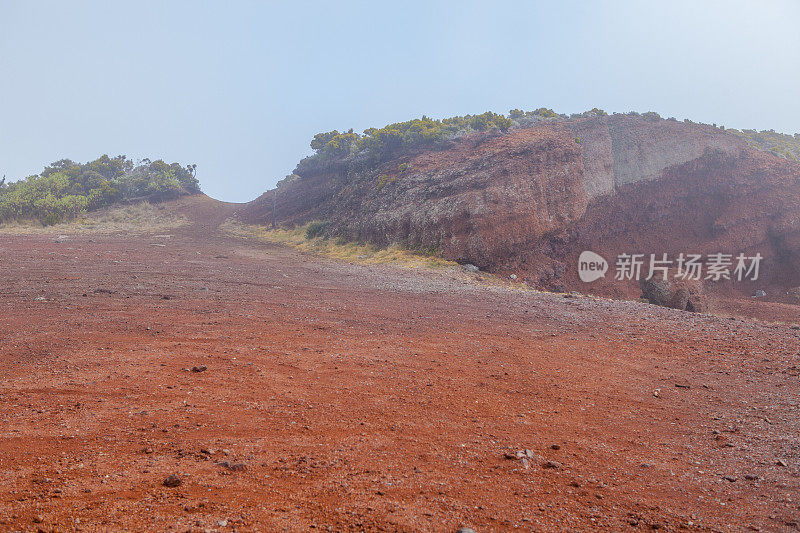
(779, 144)
(377, 145)
(65, 189)
(316, 229)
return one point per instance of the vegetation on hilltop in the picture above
(779, 144)
(367, 151)
(65, 189)
(377, 145)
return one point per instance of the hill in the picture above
(525, 195)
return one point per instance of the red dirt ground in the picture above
(372, 398)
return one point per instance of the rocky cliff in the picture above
(528, 201)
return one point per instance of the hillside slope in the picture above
(529, 201)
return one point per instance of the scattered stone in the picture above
(683, 385)
(555, 465)
(199, 368)
(750, 477)
(193, 507)
(657, 393)
(513, 276)
(465, 530)
(555, 446)
(781, 462)
(207, 451)
(729, 478)
(759, 294)
(104, 291)
(509, 455)
(233, 467)
(148, 450)
(525, 463)
(172, 481)
(61, 238)
(38, 519)
(469, 267)
(529, 453)
(222, 523)
(39, 299)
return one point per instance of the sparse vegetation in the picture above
(140, 217)
(377, 145)
(299, 237)
(65, 189)
(779, 144)
(316, 229)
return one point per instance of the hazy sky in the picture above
(241, 87)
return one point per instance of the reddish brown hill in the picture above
(529, 201)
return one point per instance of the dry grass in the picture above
(136, 218)
(349, 251)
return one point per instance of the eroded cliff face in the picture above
(529, 201)
(618, 150)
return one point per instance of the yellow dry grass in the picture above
(136, 218)
(343, 251)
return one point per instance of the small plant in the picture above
(383, 179)
(316, 229)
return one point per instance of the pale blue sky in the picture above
(241, 87)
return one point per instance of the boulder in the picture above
(684, 295)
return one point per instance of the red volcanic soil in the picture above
(343, 397)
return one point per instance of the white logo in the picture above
(591, 266)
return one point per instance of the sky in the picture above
(240, 88)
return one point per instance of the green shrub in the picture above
(66, 189)
(316, 229)
(779, 144)
(377, 145)
(546, 113)
(382, 179)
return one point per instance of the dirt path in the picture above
(344, 397)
